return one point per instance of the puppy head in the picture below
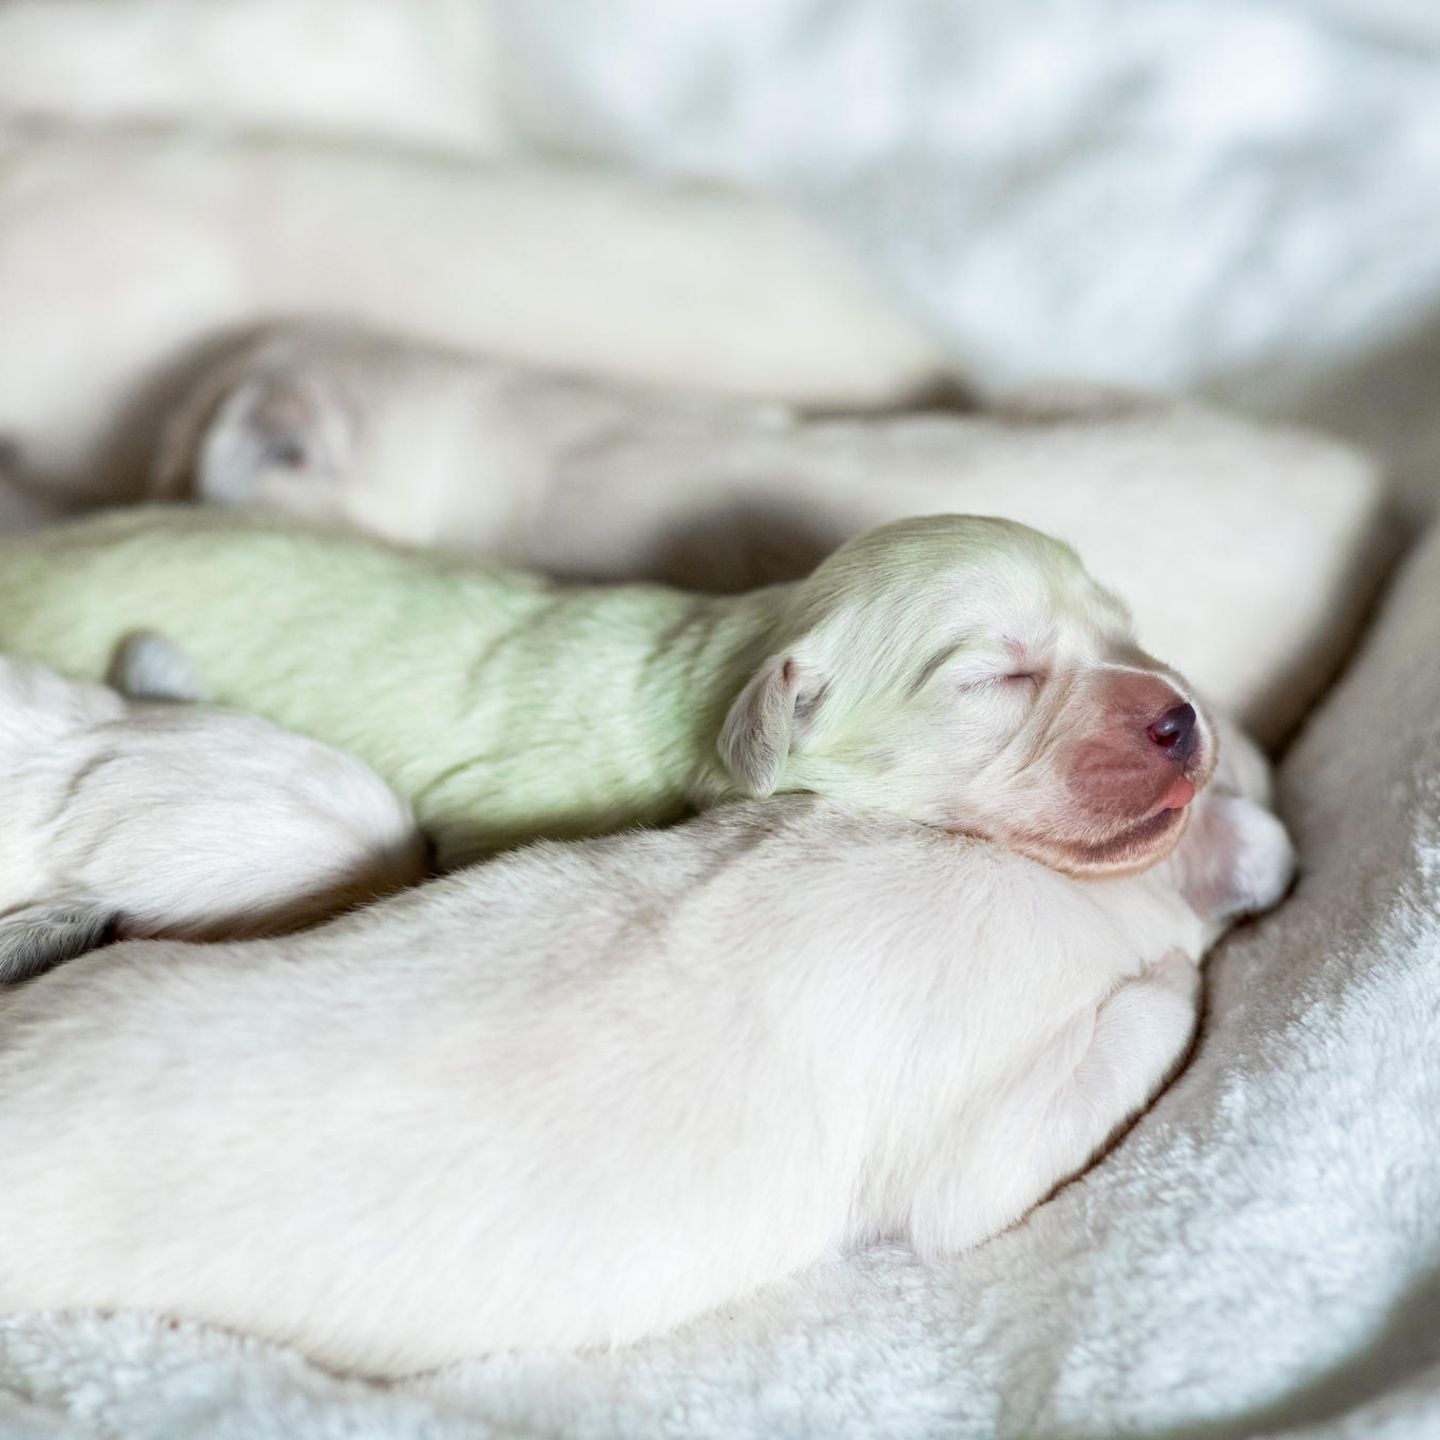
(265, 426)
(337, 426)
(966, 672)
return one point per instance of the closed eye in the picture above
(1028, 679)
(1017, 680)
(284, 454)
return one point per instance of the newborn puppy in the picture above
(585, 1092)
(586, 478)
(673, 283)
(165, 819)
(958, 671)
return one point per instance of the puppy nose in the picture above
(1174, 730)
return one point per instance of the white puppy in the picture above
(1198, 520)
(165, 819)
(589, 1090)
(672, 283)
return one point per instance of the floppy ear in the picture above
(174, 467)
(42, 936)
(770, 717)
(237, 427)
(147, 666)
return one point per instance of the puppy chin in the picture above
(1137, 847)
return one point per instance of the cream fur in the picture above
(587, 1091)
(166, 819)
(200, 235)
(1199, 521)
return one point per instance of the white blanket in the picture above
(1238, 195)
(1258, 1256)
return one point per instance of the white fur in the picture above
(1198, 520)
(166, 819)
(585, 1092)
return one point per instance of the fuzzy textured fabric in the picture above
(1217, 193)
(1256, 1257)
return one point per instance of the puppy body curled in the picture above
(960, 671)
(175, 819)
(587, 1091)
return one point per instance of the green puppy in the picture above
(925, 668)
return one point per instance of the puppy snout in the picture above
(1174, 732)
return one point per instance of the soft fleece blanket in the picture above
(1258, 1257)
(1238, 195)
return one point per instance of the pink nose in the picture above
(1174, 731)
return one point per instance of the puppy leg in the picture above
(1095, 1076)
(1238, 860)
(147, 666)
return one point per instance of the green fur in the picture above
(506, 708)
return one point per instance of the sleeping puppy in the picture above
(178, 820)
(959, 671)
(580, 477)
(675, 283)
(583, 1093)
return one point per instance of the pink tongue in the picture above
(1179, 795)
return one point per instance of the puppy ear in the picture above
(42, 936)
(1236, 859)
(147, 666)
(770, 717)
(235, 429)
(173, 469)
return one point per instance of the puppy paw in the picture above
(147, 666)
(1240, 862)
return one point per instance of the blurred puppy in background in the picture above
(1190, 515)
(131, 818)
(960, 671)
(587, 1091)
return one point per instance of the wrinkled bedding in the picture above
(1230, 195)
(1261, 1255)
